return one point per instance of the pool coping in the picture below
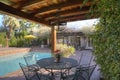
(8, 51)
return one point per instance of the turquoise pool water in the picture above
(10, 63)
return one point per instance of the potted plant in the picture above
(57, 55)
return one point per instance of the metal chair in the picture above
(86, 72)
(83, 73)
(75, 75)
(29, 74)
(85, 60)
(31, 61)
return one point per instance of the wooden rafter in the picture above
(76, 10)
(77, 18)
(58, 6)
(16, 12)
(46, 11)
(65, 17)
(69, 34)
(30, 2)
(73, 18)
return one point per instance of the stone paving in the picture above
(18, 75)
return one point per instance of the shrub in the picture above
(107, 38)
(65, 50)
(2, 38)
(16, 42)
(20, 42)
(13, 42)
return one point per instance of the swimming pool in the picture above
(10, 63)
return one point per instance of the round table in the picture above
(49, 63)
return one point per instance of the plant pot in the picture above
(58, 57)
(58, 60)
(42, 46)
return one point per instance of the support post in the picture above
(53, 39)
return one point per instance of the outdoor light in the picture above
(60, 27)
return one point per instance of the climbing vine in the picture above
(106, 39)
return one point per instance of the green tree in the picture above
(44, 32)
(23, 29)
(10, 23)
(26, 27)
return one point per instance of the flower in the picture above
(57, 51)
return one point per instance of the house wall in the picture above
(89, 43)
(77, 41)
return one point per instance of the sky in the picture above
(0, 20)
(82, 23)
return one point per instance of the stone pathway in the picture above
(18, 75)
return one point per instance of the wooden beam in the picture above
(67, 17)
(58, 6)
(75, 18)
(30, 2)
(67, 11)
(53, 39)
(8, 2)
(70, 34)
(18, 13)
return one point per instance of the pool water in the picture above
(10, 63)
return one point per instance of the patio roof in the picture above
(45, 11)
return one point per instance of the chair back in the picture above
(86, 72)
(30, 59)
(85, 59)
(29, 74)
(80, 58)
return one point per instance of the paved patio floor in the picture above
(18, 75)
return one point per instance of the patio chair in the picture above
(86, 72)
(80, 74)
(31, 74)
(31, 62)
(30, 59)
(72, 75)
(85, 60)
(80, 58)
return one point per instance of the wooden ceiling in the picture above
(47, 12)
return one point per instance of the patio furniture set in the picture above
(49, 69)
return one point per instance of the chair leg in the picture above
(38, 76)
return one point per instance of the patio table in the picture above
(49, 63)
